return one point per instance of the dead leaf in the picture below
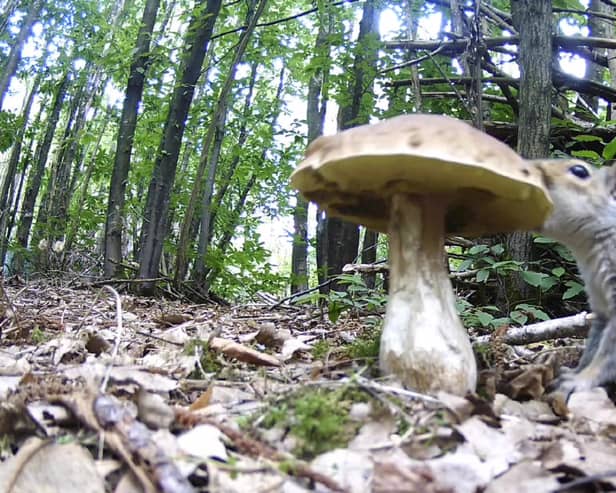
(242, 353)
(59, 467)
(393, 477)
(352, 470)
(203, 442)
(524, 477)
(203, 400)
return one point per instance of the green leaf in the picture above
(484, 318)
(477, 249)
(609, 151)
(558, 271)
(587, 138)
(465, 265)
(533, 278)
(482, 275)
(498, 249)
(575, 288)
(518, 317)
(548, 283)
(544, 240)
(587, 154)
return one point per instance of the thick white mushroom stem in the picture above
(423, 343)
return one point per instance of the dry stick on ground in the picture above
(558, 328)
(118, 338)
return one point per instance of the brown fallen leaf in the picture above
(52, 467)
(241, 353)
(203, 400)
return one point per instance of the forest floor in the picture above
(265, 398)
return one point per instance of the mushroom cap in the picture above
(488, 186)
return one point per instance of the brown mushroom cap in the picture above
(488, 186)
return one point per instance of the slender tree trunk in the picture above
(601, 28)
(36, 173)
(226, 179)
(66, 174)
(8, 9)
(90, 166)
(230, 228)
(216, 131)
(315, 117)
(7, 192)
(153, 231)
(58, 178)
(533, 20)
(343, 237)
(124, 145)
(14, 57)
(368, 255)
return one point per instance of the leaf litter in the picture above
(106, 392)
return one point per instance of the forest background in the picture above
(153, 140)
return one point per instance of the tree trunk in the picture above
(153, 230)
(368, 255)
(601, 28)
(36, 173)
(533, 20)
(226, 179)
(90, 166)
(66, 172)
(14, 57)
(124, 145)
(7, 192)
(230, 228)
(59, 176)
(343, 237)
(315, 117)
(217, 131)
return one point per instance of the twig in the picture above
(301, 293)
(118, 338)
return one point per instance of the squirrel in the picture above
(584, 220)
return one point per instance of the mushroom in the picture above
(418, 177)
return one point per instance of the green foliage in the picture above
(356, 300)
(321, 349)
(487, 316)
(366, 346)
(9, 124)
(317, 417)
(207, 359)
(38, 336)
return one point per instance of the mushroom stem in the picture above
(423, 343)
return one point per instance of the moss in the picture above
(320, 349)
(365, 346)
(318, 418)
(208, 359)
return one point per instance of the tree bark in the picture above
(16, 46)
(230, 228)
(315, 117)
(124, 145)
(601, 28)
(216, 134)
(36, 173)
(7, 193)
(343, 237)
(533, 19)
(154, 226)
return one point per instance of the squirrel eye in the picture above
(580, 171)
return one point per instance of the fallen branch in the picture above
(557, 328)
